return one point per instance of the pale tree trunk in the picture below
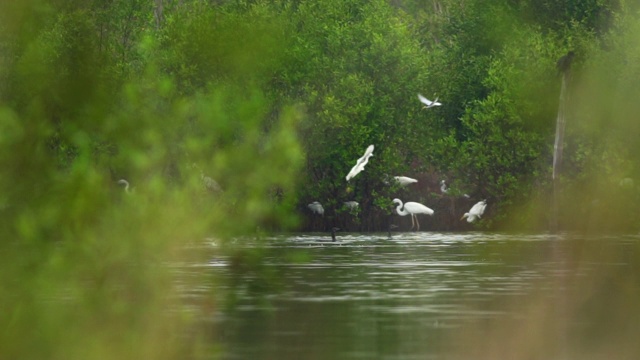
(157, 13)
(558, 147)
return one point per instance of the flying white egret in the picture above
(428, 103)
(316, 207)
(412, 208)
(443, 187)
(351, 204)
(476, 211)
(404, 181)
(125, 183)
(360, 163)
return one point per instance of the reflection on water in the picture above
(429, 296)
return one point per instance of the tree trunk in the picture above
(157, 12)
(558, 148)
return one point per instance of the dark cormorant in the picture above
(391, 227)
(333, 233)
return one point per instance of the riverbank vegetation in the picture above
(181, 81)
(274, 101)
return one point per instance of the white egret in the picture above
(351, 204)
(360, 163)
(443, 187)
(404, 181)
(316, 207)
(476, 211)
(125, 183)
(428, 103)
(209, 184)
(412, 208)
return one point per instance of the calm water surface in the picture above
(427, 296)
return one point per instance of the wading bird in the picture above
(476, 211)
(443, 187)
(428, 103)
(412, 208)
(360, 163)
(391, 227)
(333, 233)
(316, 207)
(209, 184)
(404, 181)
(351, 204)
(125, 183)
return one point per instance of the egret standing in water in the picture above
(476, 211)
(359, 166)
(412, 208)
(428, 103)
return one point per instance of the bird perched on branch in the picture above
(404, 181)
(316, 208)
(124, 183)
(443, 187)
(351, 204)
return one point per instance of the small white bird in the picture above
(428, 103)
(351, 204)
(404, 181)
(316, 207)
(476, 211)
(443, 187)
(412, 208)
(360, 163)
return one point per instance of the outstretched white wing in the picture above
(476, 211)
(428, 102)
(359, 166)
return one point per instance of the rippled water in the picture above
(424, 296)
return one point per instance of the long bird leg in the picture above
(412, 223)
(417, 222)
